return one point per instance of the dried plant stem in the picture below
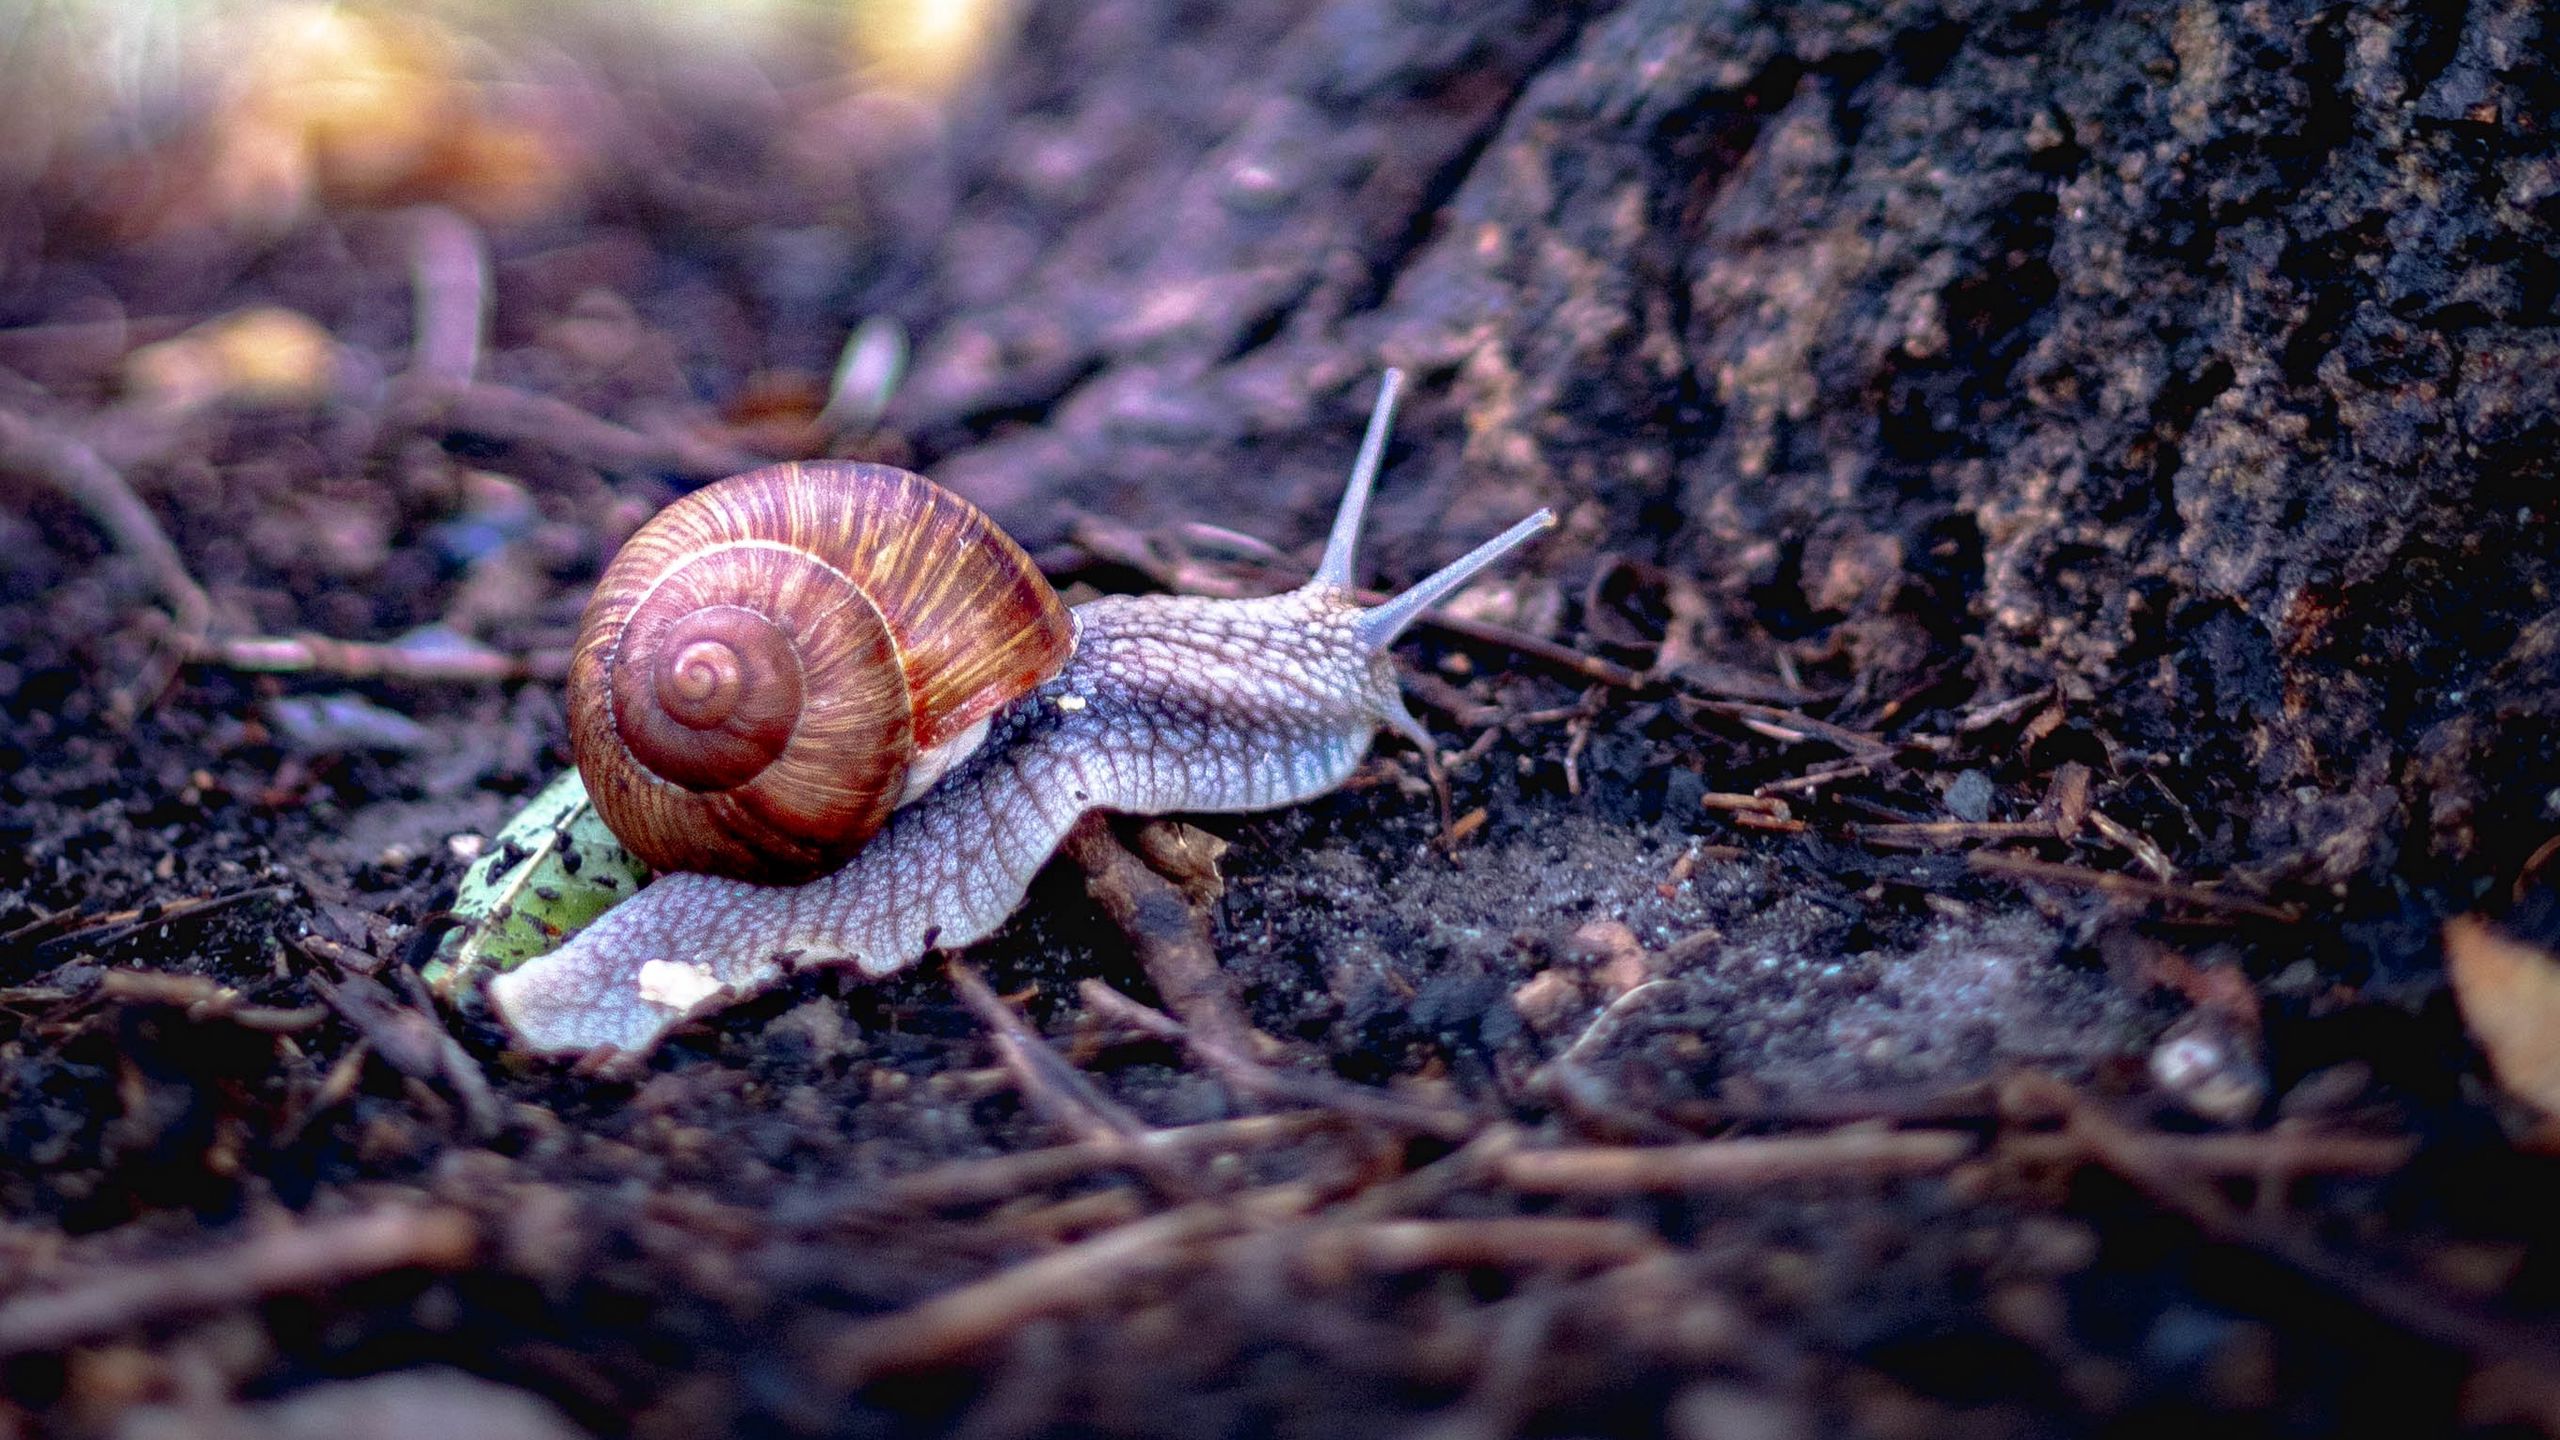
(1082, 1276)
(2134, 887)
(306, 1256)
(1743, 1163)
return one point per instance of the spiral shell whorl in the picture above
(764, 658)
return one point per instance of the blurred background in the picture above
(188, 135)
(247, 112)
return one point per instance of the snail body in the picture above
(1160, 704)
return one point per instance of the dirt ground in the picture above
(1940, 924)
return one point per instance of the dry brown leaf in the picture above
(2509, 993)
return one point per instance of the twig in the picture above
(1521, 642)
(1169, 934)
(1756, 812)
(1737, 1164)
(1390, 1247)
(1986, 716)
(2108, 882)
(203, 999)
(2137, 844)
(1055, 1089)
(46, 920)
(505, 413)
(1924, 833)
(123, 925)
(1265, 1083)
(1082, 1276)
(362, 660)
(1779, 723)
(1816, 776)
(1577, 740)
(2259, 1154)
(332, 1091)
(1566, 1082)
(978, 1182)
(77, 471)
(2531, 870)
(449, 270)
(411, 1038)
(2131, 1154)
(303, 1257)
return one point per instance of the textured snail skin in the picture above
(1167, 704)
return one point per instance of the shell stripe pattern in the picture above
(857, 614)
(786, 795)
(975, 622)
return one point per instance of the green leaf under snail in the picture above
(549, 872)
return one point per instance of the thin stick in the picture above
(123, 925)
(303, 1257)
(2019, 867)
(409, 1035)
(1169, 934)
(334, 1088)
(1265, 1083)
(1745, 1163)
(1001, 1177)
(2487, 1337)
(76, 470)
(1533, 647)
(449, 270)
(1925, 833)
(505, 413)
(1083, 1276)
(2153, 858)
(1390, 1247)
(361, 660)
(1815, 777)
(1779, 723)
(203, 999)
(1057, 1090)
(2265, 1154)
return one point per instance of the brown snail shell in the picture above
(768, 660)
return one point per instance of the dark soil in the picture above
(2079, 490)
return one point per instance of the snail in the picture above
(983, 716)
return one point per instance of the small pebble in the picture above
(1969, 797)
